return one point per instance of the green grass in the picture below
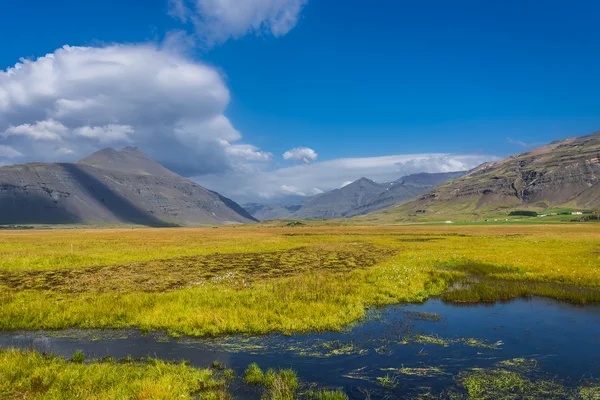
(254, 375)
(30, 375)
(502, 384)
(278, 385)
(258, 280)
(325, 395)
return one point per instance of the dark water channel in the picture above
(563, 339)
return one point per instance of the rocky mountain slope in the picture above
(565, 173)
(110, 186)
(264, 212)
(360, 197)
(405, 189)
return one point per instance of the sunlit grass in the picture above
(30, 375)
(257, 280)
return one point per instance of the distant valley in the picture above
(362, 196)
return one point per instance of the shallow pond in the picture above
(400, 351)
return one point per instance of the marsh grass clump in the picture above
(330, 348)
(229, 374)
(279, 385)
(486, 283)
(504, 384)
(325, 395)
(419, 371)
(430, 339)
(78, 357)
(493, 290)
(282, 386)
(589, 391)
(254, 375)
(389, 381)
(217, 365)
(31, 375)
(520, 364)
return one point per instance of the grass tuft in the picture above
(254, 375)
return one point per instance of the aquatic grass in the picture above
(418, 371)
(325, 395)
(429, 339)
(78, 357)
(284, 386)
(589, 392)
(254, 375)
(46, 377)
(217, 365)
(389, 381)
(228, 374)
(279, 385)
(502, 384)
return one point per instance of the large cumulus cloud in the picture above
(71, 102)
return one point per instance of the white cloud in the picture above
(291, 190)
(522, 143)
(106, 134)
(67, 104)
(247, 152)
(345, 184)
(310, 179)
(49, 130)
(304, 154)
(218, 20)
(9, 152)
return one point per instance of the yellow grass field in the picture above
(258, 279)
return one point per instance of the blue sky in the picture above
(350, 79)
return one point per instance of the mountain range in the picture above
(565, 173)
(126, 186)
(360, 197)
(110, 186)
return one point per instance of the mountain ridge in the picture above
(357, 198)
(564, 173)
(111, 186)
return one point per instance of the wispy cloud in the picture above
(216, 21)
(522, 143)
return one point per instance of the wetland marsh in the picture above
(369, 311)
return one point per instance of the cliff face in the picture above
(119, 187)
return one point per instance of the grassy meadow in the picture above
(257, 280)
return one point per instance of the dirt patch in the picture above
(178, 273)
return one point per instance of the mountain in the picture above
(123, 186)
(405, 189)
(264, 212)
(339, 202)
(359, 197)
(565, 173)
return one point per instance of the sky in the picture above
(266, 99)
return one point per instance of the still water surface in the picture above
(562, 338)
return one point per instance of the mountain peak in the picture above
(363, 181)
(129, 159)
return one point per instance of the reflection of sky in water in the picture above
(564, 339)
